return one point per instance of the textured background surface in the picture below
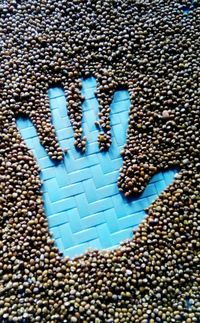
(82, 202)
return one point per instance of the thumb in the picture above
(29, 134)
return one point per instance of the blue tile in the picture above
(55, 92)
(131, 220)
(105, 163)
(53, 190)
(48, 173)
(59, 244)
(100, 205)
(90, 190)
(94, 244)
(63, 205)
(47, 203)
(89, 93)
(118, 205)
(93, 149)
(29, 133)
(61, 175)
(112, 177)
(74, 220)
(79, 176)
(71, 190)
(75, 250)
(107, 191)
(85, 235)
(89, 82)
(111, 220)
(86, 161)
(82, 205)
(114, 153)
(93, 220)
(149, 190)
(119, 236)
(55, 231)
(119, 134)
(45, 162)
(169, 176)
(104, 235)
(138, 205)
(58, 219)
(66, 235)
(98, 176)
(152, 198)
(157, 177)
(120, 96)
(160, 186)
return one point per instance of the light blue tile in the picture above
(79, 175)
(82, 205)
(51, 186)
(61, 175)
(98, 176)
(107, 191)
(85, 235)
(104, 235)
(45, 162)
(89, 93)
(55, 92)
(74, 220)
(152, 198)
(88, 82)
(149, 190)
(59, 244)
(119, 236)
(48, 173)
(75, 251)
(55, 231)
(58, 219)
(94, 244)
(62, 205)
(131, 220)
(169, 176)
(90, 190)
(66, 235)
(100, 205)
(29, 133)
(111, 220)
(120, 96)
(93, 220)
(157, 177)
(71, 190)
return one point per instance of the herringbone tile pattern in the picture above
(82, 201)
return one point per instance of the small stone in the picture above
(165, 114)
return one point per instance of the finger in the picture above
(74, 98)
(119, 117)
(60, 119)
(30, 136)
(41, 118)
(90, 109)
(104, 93)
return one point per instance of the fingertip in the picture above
(119, 116)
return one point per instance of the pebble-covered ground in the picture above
(152, 49)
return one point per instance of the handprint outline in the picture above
(81, 199)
